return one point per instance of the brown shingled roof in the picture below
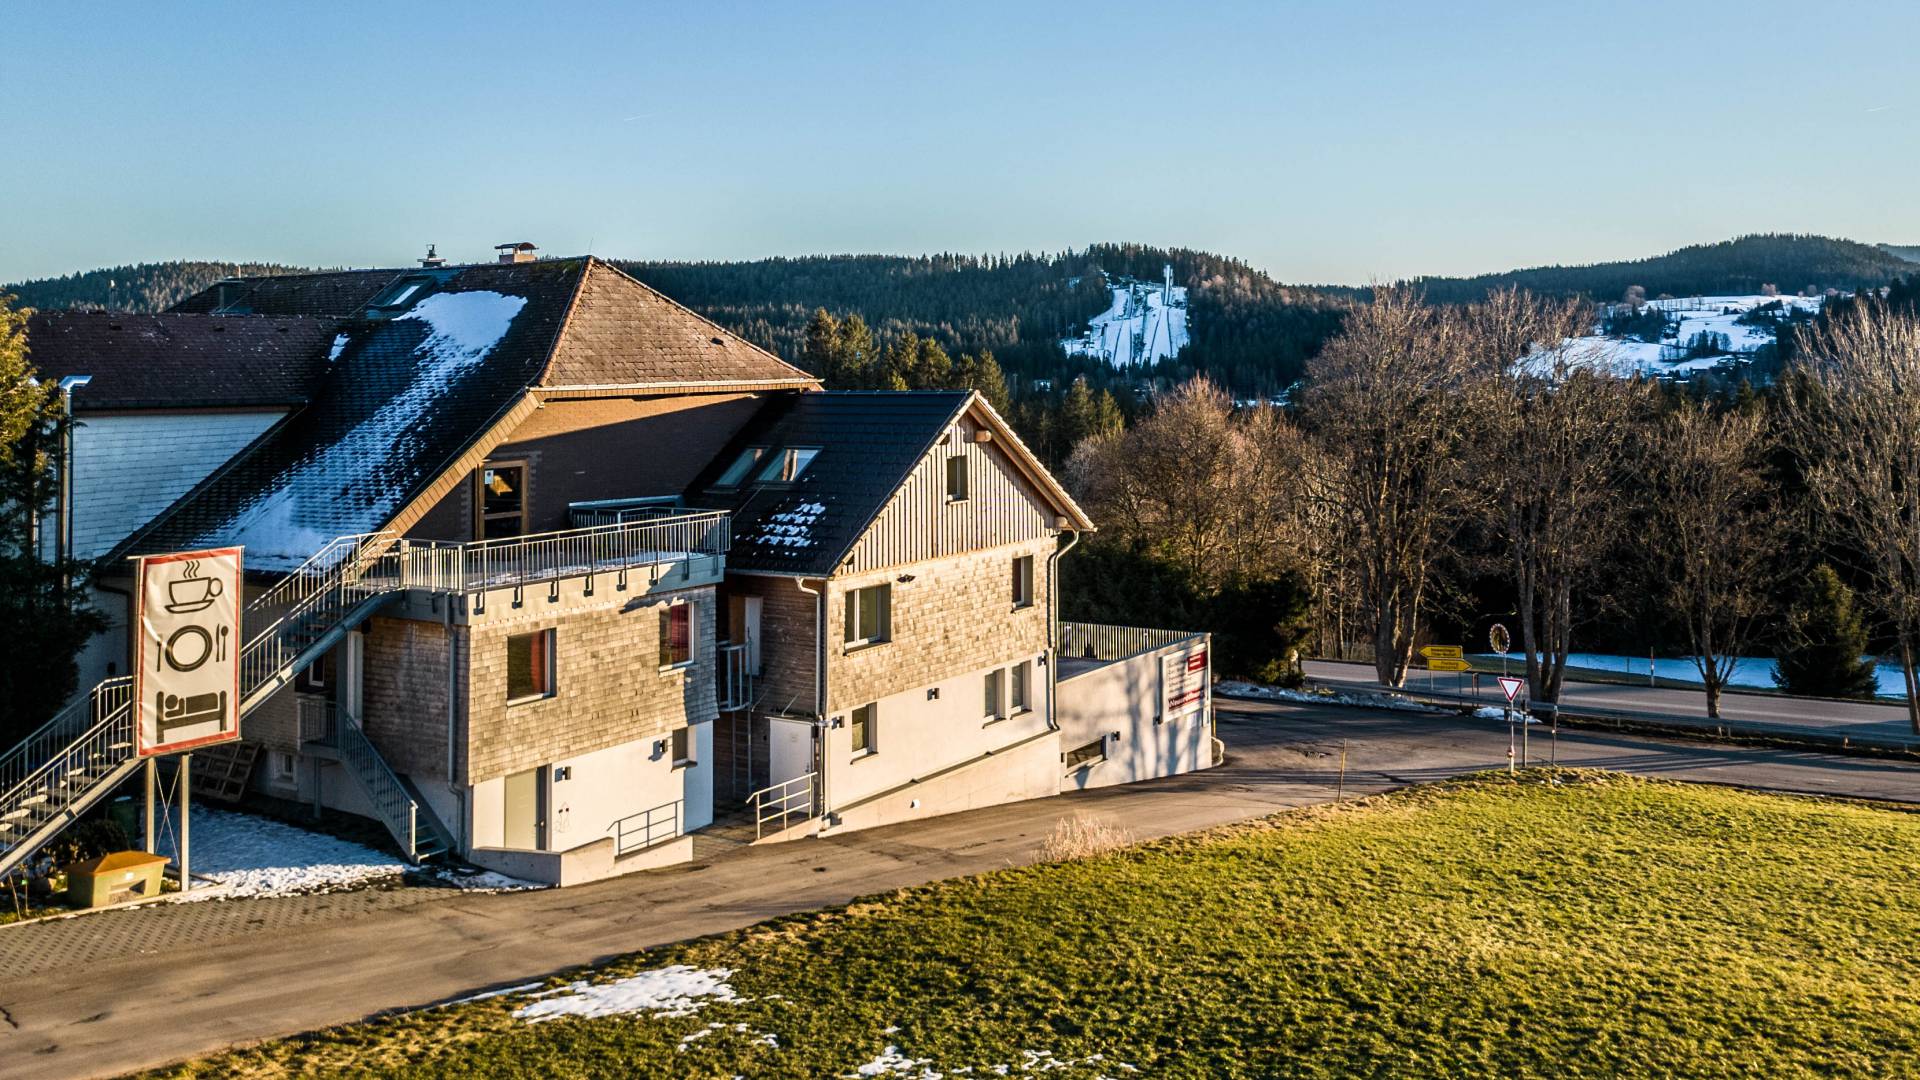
(622, 333)
(180, 361)
(336, 293)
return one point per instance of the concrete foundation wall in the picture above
(1025, 770)
(1121, 702)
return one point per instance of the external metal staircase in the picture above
(74, 760)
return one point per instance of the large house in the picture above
(549, 573)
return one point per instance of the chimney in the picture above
(432, 258)
(516, 253)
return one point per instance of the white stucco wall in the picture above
(917, 737)
(604, 786)
(1121, 701)
(129, 467)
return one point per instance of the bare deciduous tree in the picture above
(1552, 451)
(1713, 528)
(1854, 412)
(1386, 403)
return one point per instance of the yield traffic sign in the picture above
(1511, 687)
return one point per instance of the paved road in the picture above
(1860, 721)
(160, 1000)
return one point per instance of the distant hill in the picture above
(1909, 252)
(1740, 266)
(143, 287)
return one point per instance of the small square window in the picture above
(281, 768)
(676, 635)
(530, 666)
(683, 748)
(995, 694)
(737, 471)
(957, 478)
(1089, 754)
(862, 727)
(788, 464)
(869, 615)
(1023, 581)
(1019, 687)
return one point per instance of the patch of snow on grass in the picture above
(255, 856)
(675, 990)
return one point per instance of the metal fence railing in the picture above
(1098, 641)
(316, 720)
(735, 690)
(79, 717)
(61, 782)
(782, 802)
(636, 832)
(521, 560)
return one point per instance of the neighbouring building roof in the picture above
(867, 443)
(173, 361)
(336, 293)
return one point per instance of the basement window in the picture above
(530, 667)
(1020, 688)
(995, 695)
(862, 728)
(683, 748)
(1091, 754)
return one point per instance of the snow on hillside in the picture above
(1147, 322)
(1733, 340)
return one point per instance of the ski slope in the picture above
(1718, 315)
(1147, 322)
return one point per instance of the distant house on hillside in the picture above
(552, 575)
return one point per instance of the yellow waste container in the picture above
(109, 879)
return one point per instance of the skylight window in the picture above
(401, 293)
(737, 471)
(788, 464)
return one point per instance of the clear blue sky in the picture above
(1322, 142)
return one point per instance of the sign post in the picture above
(186, 667)
(1510, 687)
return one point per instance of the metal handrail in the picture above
(646, 826)
(69, 775)
(778, 801)
(316, 720)
(735, 690)
(1098, 641)
(80, 716)
(390, 799)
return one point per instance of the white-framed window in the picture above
(676, 636)
(863, 727)
(737, 471)
(280, 768)
(957, 478)
(1020, 687)
(683, 747)
(786, 465)
(530, 667)
(869, 615)
(995, 707)
(1023, 581)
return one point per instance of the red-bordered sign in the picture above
(1183, 683)
(186, 653)
(1511, 687)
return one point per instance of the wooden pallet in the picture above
(221, 772)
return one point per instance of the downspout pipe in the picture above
(819, 678)
(63, 536)
(1053, 628)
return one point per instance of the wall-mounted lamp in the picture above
(659, 748)
(904, 578)
(837, 723)
(933, 693)
(563, 772)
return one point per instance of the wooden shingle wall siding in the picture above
(404, 692)
(956, 615)
(919, 522)
(609, 687)
(787, 632)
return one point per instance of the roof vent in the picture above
(432, 258)
(516, 253)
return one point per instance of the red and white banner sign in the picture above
(1511, 687)
(1183, 683)
(186, 654)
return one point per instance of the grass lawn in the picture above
(1608, 926)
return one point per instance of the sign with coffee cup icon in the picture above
(187, 650)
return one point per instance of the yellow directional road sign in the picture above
(1442, 652)
(1448, 665)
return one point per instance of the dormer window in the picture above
(401, 293)
(737, 471)
(788, 464)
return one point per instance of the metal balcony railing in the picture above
(735, 677)
(316, 720)
(521, 560)
(637, 832)
(1097, 641)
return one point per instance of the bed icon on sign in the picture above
(190, 592)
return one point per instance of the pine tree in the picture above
(43, 614)
(854, 354)
(1826, 637)
(1077, 416)
(820, 355)
(982, 372)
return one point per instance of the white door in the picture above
(790, 755)
(750, 620)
